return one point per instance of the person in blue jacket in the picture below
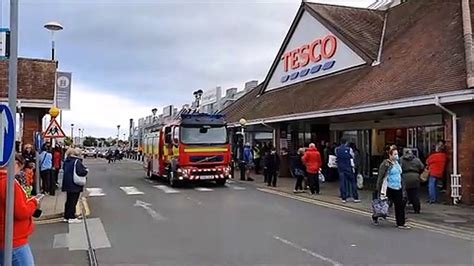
(345, 167)
(248, 160)
(73, 163)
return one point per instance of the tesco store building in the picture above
(375, 77)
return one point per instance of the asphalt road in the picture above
(234, 225)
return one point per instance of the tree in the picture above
(90, 142)
(68, 141)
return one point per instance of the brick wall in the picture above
(32, 121)
(465, 114)
(35, 79)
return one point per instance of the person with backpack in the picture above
(72, 166)
(299, 171)
(248, 160)
(312, 161)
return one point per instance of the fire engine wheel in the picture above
(220, 182)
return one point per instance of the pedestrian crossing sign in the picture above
(54, 130)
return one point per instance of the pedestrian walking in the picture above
(345, 168)
(248, 160)
(46, 166)
(23, 226)
(312, 161)
(299, 171)
(57, 162)
(72, 166)
(390, 186)
(271, 163)
(411, 170)
(436, 164)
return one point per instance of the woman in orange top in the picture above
(24, 208)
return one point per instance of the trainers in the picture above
(296, 191)
(65, 220)
(74, 221)
(344, 201)
(405, 227)
(357, 200)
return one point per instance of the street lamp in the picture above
(53, 26)
(198, 94)
(118, 133)
(242, 123)
(72, 133)
(153, 111)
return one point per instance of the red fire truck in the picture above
(194, 146)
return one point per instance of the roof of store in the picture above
(423, 53)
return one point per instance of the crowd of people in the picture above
(27, 199)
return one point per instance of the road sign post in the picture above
(12, 95)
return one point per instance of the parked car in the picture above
(90, 152)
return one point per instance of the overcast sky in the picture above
(128, 56)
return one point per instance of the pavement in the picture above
(137, 221)
(455, 217)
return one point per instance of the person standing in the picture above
(248, 160)
(46, 166)
(312, 161)
(57, 161)
(29, 155)
(411, 170)
(347, 179)
(299, 171)
(23, 225)
(72, 165)
(271, 167)
(257, 151)
(390, 185)
(436, 164)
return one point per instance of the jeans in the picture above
(70, 205)
(21, 256)
(432, 188)
(348, 185)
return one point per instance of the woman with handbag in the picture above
(390, 186)
(73, 183)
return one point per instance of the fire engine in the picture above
(193, 146)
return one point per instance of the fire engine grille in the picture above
(206, 159)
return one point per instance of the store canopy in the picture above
(422, 54)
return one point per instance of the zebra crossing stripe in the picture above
(131, 190)
(230, 181)
(166, 189)
(95, 192)
(203, 189)
(236, 187)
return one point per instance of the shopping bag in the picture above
(360, 181)
(424, 176)
(332, 161)
(321, 177)
(380, 208)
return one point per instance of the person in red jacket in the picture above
(23, 221)
(312, 161)
(436, 164)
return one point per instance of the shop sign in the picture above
(312, 51)
(211, 96)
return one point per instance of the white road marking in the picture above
(76, 239)
(131, 190)
(307, 251)
(236, 187)
(203, 189)
(194, 200)
(95, 192)
(230, 181)
(145, 205)
(166, 189)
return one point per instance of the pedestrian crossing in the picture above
(132, 190)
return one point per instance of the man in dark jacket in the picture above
(411, 169)
(72, 164)
(271, 167)
(347, 179)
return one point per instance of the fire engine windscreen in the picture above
(204, 135)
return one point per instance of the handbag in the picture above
(78, 180)
(332, 161)
(380, 208)
(424, 176)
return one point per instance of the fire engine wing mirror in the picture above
(204, 129)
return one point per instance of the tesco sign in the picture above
(319, 52)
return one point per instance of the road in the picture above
(135, 222)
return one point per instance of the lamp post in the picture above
(118, 133)
(72, 133)
(242, 123)
(52, 27)
(197, 95)
(79, 135)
